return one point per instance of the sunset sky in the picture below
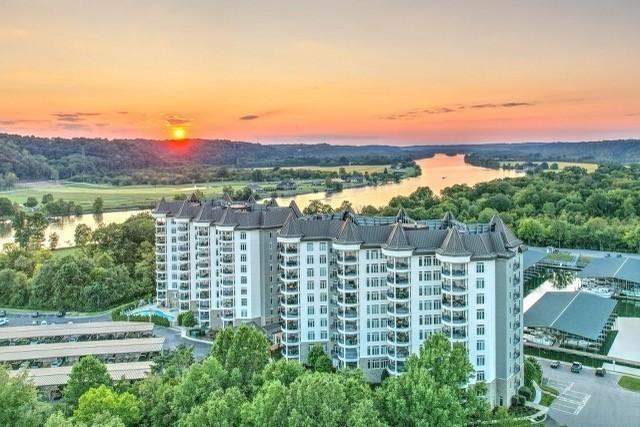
(395, 72)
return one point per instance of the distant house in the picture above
(255, 187)
(286, 184)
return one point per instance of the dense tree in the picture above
(221, 409)
(188, 319)
(20, 406)
(53, 240)
(29, 229)
(89, 372)
(31, 202)
(6, 207)
(318, 360)
(317, 207)
(103, 400)
(82, 235)
(98, 206)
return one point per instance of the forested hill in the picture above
(33, 158)
(44, 158)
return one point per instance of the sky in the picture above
(351, 72)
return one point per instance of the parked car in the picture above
(43, 323)
(576, 367)
(61, 313)
(555, 364)
(35, 314)
(600, 372)
(3, 313)
(3, 322)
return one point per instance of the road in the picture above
(172, 336)
(589, 401)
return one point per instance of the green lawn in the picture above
(114, 197)
(547, 399)
(630, 383)
(560, 256)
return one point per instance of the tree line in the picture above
(110, 265)
(240, 384)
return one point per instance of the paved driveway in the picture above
(589, 401)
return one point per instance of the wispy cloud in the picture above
(172, 120)
(420, 112)
(257, 116)
(74, 117)
(12, 122)
(250, 117)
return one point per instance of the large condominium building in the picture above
(371, 289)
(219, 259)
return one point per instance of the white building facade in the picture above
(370, 290)
(219, 259)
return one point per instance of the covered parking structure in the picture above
(64, 332)
(620, 274)
(61, 354)
(578, 320)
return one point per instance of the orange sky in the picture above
(403, 72)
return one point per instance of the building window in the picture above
(480, 299)
(480, 345)
(323, 246)
(480, 267)
(480, 330)
(323, 309)
(309, 272)
(310, 285)
(323, 335)
(311, 323)
(311, 335)
(310, 298)
(243, 236)
(480, 376)
(480, 283)
(310, 310)
(309, 246)
(243, 246)
(243, 302)
(480, 361)
(323, 259)
(309, 259)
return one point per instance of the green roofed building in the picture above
(620, 274)
(570, 319)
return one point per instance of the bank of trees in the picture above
(110, 265)
(569, 208)
(238, 384)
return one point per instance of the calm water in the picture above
(66, 227)
(438, 172)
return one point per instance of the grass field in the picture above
(630, 383)
(114, 197)
(590, 167)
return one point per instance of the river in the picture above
(438, 172)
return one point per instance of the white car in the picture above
(4, 322)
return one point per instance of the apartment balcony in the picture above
(516, 354)
(517, 309)
(347, 354)
(398, 325)
(161, 286)
(398, 309)
(347, 341)
(395, 367)
(516, 368)
(455, 333)
(184, 296)
(228, 292)
(290, 288)
(161, 240)
(160, 295)
(288, 250)
(289, 276)
(288, 263)
(454, 320)
(450, 270)
(290, 313)
(227, 270)
(203, 285)
(227, 315)
(516, 324)
(182, 228)
(204, 295)
(290, 338)
(397, 265)
(454, 286)
(398, 353)
(184, 276)
(203, 264)
(227, 259)
(454, 303)
(203, 306)
(347, 272)
(202, 275)
(398, 279)
(516, 339)
(348, 299)
(290, 301)
(347, 285)
(203, 242)
(517, 294)
(161, 229)
(161, 259)
(161, 267)
(184, 306)
(228, 283)
(346, 313)
(226, 249)
(290, 352)
(398, 294)
(183, 238)
(398, 338)
(161, 276)
(226, 237)
(291, 326)
(183, 248)
(347, 327)
(227, 303)
(184, 286)
(346, 258)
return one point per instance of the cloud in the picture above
(250, 117)
(419, 112)
(74, 126)
(11, 122)
(74, 117)
(172, 120)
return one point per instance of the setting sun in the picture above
(178, 133)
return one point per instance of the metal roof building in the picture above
(622, 274)
(78, 349)
(44, 377)
(76, 329)
(579, 314)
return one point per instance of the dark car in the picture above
(61, 313)
(600, 372)
(555, 364)
(576, 367)
(35, 314)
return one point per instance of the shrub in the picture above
(525, 392)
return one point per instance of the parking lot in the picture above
(590, 401)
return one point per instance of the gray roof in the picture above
(577, 313)
(531, 257)
(64, 329)
(623, 268)
(242, 215)
(43, 377)
(400, 232)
